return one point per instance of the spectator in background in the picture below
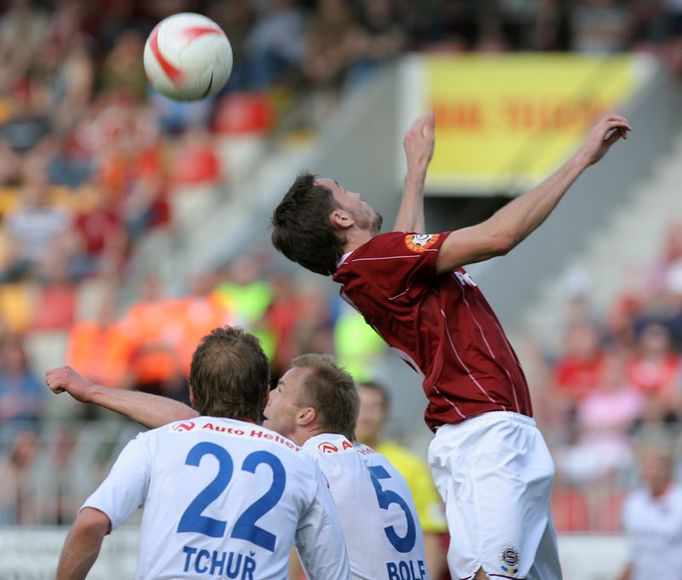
(314, 326)
(374, 409)
(10, 164)
(100, 348)
(652, 515)
(577, 370)
(274, 47)
(22, 25)
(379, 37)
(280, 321)
(27, 123)
(101, 239)
(246, 291)
(671, 16)
(670, 254)
(655, 371)
(155, 326)
(21, 394)
(122, 72)
(357, 346)
(202, 312)
(330, 44)
(54, 308)
(605, 417)
(601, 26)
(67, 81)
(33, 229)
(17, 500)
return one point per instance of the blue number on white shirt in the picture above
(192, 520)
(245, 527)
(386, 497)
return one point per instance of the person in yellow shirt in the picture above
(374, 408)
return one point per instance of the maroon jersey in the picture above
(440, 324)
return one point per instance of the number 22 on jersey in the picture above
(245, 527)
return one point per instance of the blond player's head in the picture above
(229, 375)
(313, 396)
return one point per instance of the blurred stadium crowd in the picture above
(90, 161)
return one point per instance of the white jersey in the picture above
(655, 528)
(223, 498)
(375, 508)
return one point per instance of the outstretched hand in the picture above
(66, 379)
(419, 143)
(603, 134)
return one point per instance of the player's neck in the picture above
(356, 238)
(300, 436)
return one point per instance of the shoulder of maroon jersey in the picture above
(365, 248)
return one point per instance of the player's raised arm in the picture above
(418, 145)
(149, 410)
(83, 544)
(515, 221)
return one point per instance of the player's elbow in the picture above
(502, 242)
(92, 523)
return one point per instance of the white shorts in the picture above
(495, 474)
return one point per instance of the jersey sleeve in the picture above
(319, 538)
(394, 262)
(124, 490)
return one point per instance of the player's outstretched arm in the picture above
(83, 544)
(515, 221)
(149, 410)
(418, 145)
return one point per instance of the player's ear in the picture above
(306, 416)
(341, 219)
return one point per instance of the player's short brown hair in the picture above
(331, 391)
(302, 230)
(230, 375)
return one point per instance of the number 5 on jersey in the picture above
(245, 527)
(386, 497)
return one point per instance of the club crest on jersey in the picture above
(509, 560)
(419, 243)
(183, 427)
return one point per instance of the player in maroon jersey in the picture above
(488, 459)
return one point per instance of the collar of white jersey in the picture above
(329, 443)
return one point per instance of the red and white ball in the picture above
(188, 57)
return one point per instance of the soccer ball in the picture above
(187, 57)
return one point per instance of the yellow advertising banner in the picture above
(505, 121)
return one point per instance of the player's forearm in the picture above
(81, 549)
(149, 410)
(411, 212)
(518, 219)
